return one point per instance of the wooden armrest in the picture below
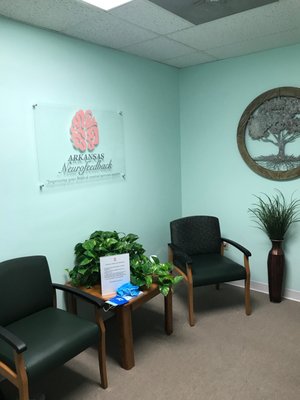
(79, 293)
(14, 341)
(238, 246)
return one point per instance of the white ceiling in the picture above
(147, 30)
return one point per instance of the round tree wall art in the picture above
(269, 134)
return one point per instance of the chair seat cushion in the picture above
(213, 268)
(53, 337)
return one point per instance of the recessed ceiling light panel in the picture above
(106, 4)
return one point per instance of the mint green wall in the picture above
(38, 66)
(215, 179)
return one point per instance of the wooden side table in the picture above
(124, 318)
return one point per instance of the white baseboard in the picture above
(263, 287)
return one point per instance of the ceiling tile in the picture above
(150, 16)
(159, 49)
(54, 14)
(109, 31)
(143, 28)
(253, 45)
(187, 60)
(251, 24)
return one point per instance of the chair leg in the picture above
(188, 277)
(22, 380)
(248, 308)
(102, 351)
(190, 296)
(23, 393)
(191, 305)
(218, 286)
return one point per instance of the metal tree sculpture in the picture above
(277, 121)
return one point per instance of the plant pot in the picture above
(275, 271)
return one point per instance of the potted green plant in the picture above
(144, 270)
(274, 215)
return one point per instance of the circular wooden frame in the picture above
(257, 102)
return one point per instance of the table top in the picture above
(147, 294)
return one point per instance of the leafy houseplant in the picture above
(274, 215)
(144, 270)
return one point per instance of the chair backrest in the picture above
(25, 287)
(198, 234)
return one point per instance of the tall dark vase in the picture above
(275, 271)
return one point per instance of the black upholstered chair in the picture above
(197, 252)
(35, 336)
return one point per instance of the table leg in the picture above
(102, 350)
(168, 313)
(126, 337)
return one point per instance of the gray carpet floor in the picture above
(226, 356)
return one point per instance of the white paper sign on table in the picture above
(114, 271)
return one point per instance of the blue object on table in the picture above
(128, 289)
(117, 301)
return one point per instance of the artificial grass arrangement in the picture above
(274, 215)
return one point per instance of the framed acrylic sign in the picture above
(268, 134)
(78, 145)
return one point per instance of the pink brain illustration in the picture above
(84, 131)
